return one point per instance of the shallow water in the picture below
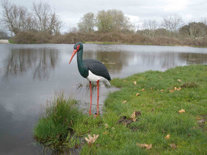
(31, 75)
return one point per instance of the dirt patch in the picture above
(126, 121)
(189, 85)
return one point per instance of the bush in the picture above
(30, 37)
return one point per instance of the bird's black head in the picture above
(78, 46)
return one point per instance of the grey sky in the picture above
(71, 11)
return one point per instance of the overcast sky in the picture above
(71, 11)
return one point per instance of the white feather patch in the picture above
(94, 78)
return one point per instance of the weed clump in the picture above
(57, 124)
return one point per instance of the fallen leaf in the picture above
(142, 89)
(147, 146)
(162, 90)
(106, 125)
(171, 91)
(198, 118)
(137, 94)
(133, 116)
(105, 133)
(168, 136)
(91, 139)
(173, 146)
(181, 111)
(178, 89)
(124, 102)
(179, 80)
(135, 82)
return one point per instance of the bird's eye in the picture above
(78, 47)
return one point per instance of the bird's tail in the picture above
(107, 83)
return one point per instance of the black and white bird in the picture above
(92, 70)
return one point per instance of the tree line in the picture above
(42, 24)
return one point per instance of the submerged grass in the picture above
(157, 97)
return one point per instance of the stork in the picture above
(92, 70)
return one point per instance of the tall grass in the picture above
(57, 122)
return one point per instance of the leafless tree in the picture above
(172, 23)
(19, 19)
(149, 27)
(15, 18)
(150, 24)
(46, 19)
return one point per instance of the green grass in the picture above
(56, 125)
(159, 104)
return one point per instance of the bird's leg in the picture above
(90, 98)
(97, 97)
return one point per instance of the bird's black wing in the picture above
(97, 68)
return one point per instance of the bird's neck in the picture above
(81, 68)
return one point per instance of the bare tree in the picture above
(149, 27)
(15, 18)
(3, 35)
(204, 21)
(87, 23)
(18, 19)
(150, 24)
(172, 23)
(46, 19)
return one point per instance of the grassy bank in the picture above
(152, 113)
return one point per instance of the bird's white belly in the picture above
(93, 78)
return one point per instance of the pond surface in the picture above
(31, 75)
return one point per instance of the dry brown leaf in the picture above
(135, 82)
(105, 133)
(137, 94)
(181, 111)
(178, 89)
(106, 125)
(91, 139)
(179, 80)
(171, 91)
(147, 146)
(198, 118)
(133, 116)
(168, 136)
(142, 89)
(173, 146)
(124, 102)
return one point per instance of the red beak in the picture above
(74, 52)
